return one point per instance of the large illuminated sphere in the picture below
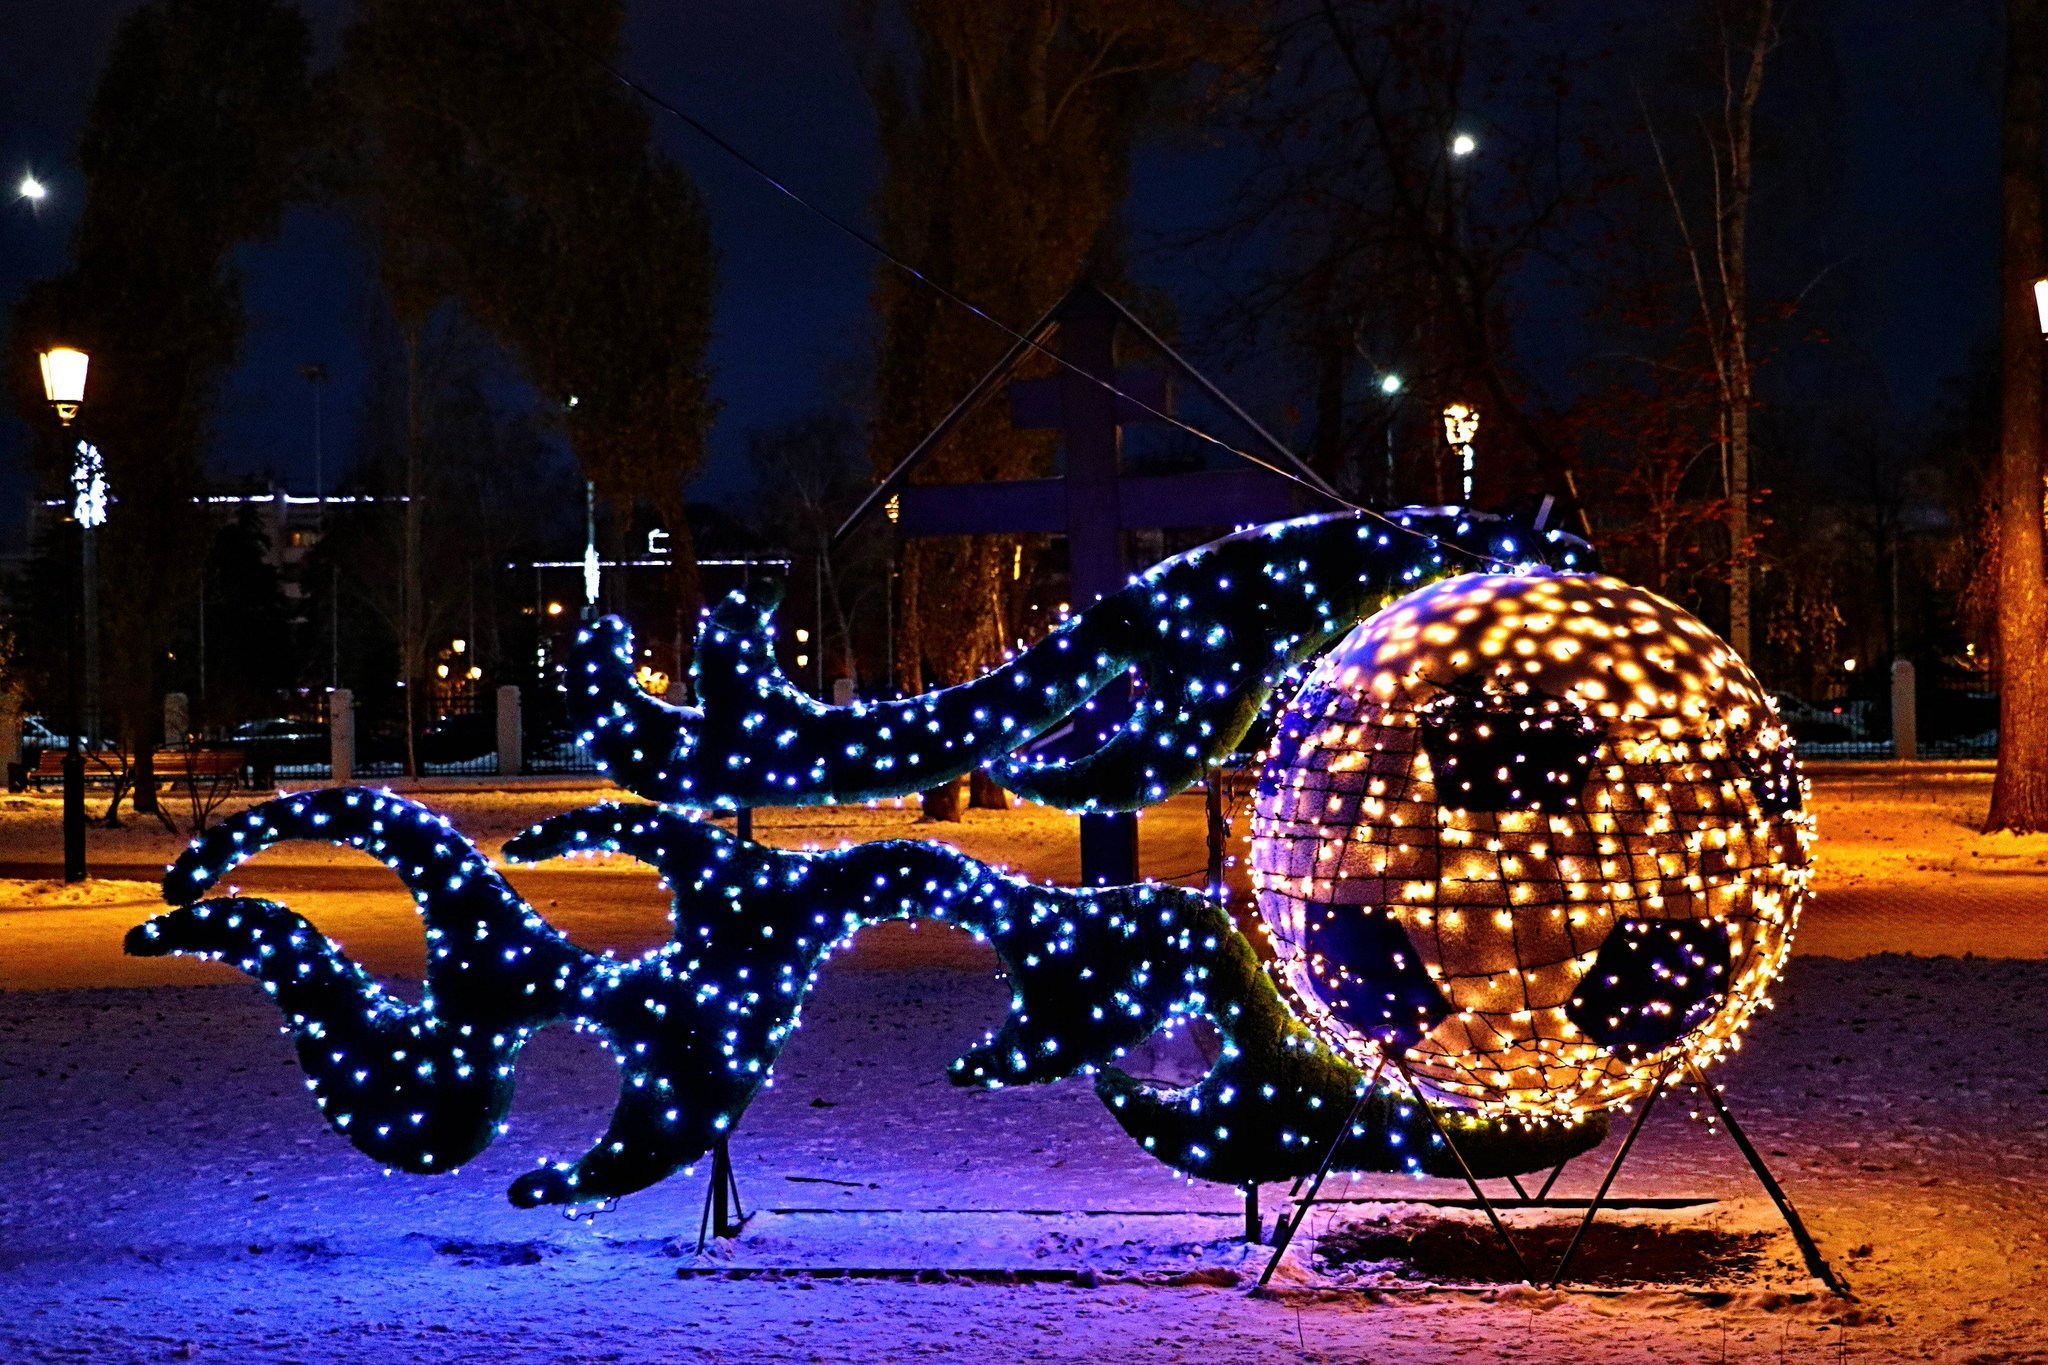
(1537, 837)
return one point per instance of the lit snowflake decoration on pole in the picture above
(88, 486)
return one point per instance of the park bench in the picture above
(100, 769)
(212, 766)
(201, 765)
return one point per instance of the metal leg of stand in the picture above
(1516, 1186)
(1551, 1179)
(1607, 1182)
(723, 1215)
(1284, 1230)
(1254, 1228)
(1492, 1214)
(1815, 1264)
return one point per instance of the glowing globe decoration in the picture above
(1538, 838)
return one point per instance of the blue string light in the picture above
(1206, 637)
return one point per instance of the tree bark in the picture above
(2019, 794)
(412, 664)
(1739, 382)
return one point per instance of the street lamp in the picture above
(1461, 430)
(64, 380)
(64, 386)
(2041, 303)
(1464, 144)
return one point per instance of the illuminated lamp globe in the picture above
(1536, 840)
(64, 380)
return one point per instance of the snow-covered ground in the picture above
(172, 1194)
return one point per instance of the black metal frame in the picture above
(1290, 1224)
(724, 1216)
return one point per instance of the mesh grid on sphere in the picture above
(1542, 833)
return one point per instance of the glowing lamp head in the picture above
(1461, 425)
(32, 189)
(2041, 303)
(64, 380)
(1463, 145)
(1539, 837)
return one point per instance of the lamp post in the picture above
(316, 377)
(1461, 431)
(1390, 387)
(64, 386)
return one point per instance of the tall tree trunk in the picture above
(1719, 264)
(1326, 445)
(412, 663)
(2019, 794)
(1738, 380)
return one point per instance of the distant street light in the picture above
(32, 189)
(1464, 144)
(1390, 384)
(64, 380)
(64, 386)
(1461, 431)
(2041, 303)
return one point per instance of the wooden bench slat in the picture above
(170, 765)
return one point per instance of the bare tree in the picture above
(1717, 252)
(1006, 134)
(2019, 794)
(1417, 157)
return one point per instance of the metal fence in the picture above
(562, 752)
(1968, 746)
(1946, 721)
(460, 738)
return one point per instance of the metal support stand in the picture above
(1290, 1224)
(1218, 830)
(1815, 1264)
(1607, 1181)
(1254, 1228)
(1464, 1168)
(723, 1214)
(1284, 1232)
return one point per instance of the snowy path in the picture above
(172, 1194)
(1901, 870)
(172, 1190)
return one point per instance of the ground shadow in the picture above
(1449, 1250)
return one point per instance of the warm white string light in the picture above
(1542, 833)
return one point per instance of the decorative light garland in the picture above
(1208, 636)
(1538, 835)
(696, 1025)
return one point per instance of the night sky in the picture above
(1911, 232)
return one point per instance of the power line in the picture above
(718, 140)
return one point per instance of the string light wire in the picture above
(726, 145)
